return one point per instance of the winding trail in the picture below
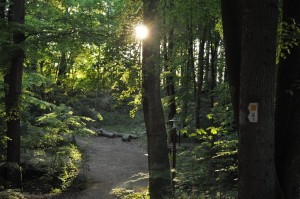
(112, 164)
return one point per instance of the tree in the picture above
(257, 176)
(13, 90)
(158, 161)
(232, 32)
(168, 66)
(287, 112)
(200, 77)
(214, 45)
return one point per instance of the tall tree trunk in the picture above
(42, 87)
(232, 31)
(62, 69)
(200, 78)
(206, 68)
(185, 88)
(170, 77)
(213, 67)
(13, 89)
(287, 125)
(191, 60)
(168, 54)
(159, 166)
(257, 176)
(221, 67)
(188, 74)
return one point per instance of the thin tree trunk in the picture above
(42, 88)
(188, 75)
(168, 53)
(13, 89)
(158, 161)
(206, 68)
(62, 69)
(200, 78)
(191, 61)
(190, 48)
(184, 90)
(170, 87)
(221, 66)
(257, 176)
(213, 59)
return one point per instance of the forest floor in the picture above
(112, 164)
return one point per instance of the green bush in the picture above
(51, 169)
(122, 193)
(208, 169)
(11, 194)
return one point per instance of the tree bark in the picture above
(158, 161)
(168, 53)
(257, 176)
(207, 56)
(170, 78)
(221, 67)
(200, 78)
(232, 31)
(13, 89)
(287, 117)
(62, 69)
(191, 59)
(184, 88)
(213, 59)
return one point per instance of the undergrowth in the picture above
(207, 166)
(122, 193)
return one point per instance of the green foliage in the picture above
(222, 113)
(62, 121)
(96, 41)
(50, 162)
(201, 175)
(102, 58)
(68, 160)
(51, 169)
(288, 38)
(11, 194)
(208, 169)
(122, 193)
(33, 80)
(56, 127)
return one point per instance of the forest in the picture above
(208, 88)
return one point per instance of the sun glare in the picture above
(141, 31)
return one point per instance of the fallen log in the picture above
(133, 136)
(119, 135)
(105, 133)
(126, 135)
(126, 138)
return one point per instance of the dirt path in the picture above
(113, 164)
